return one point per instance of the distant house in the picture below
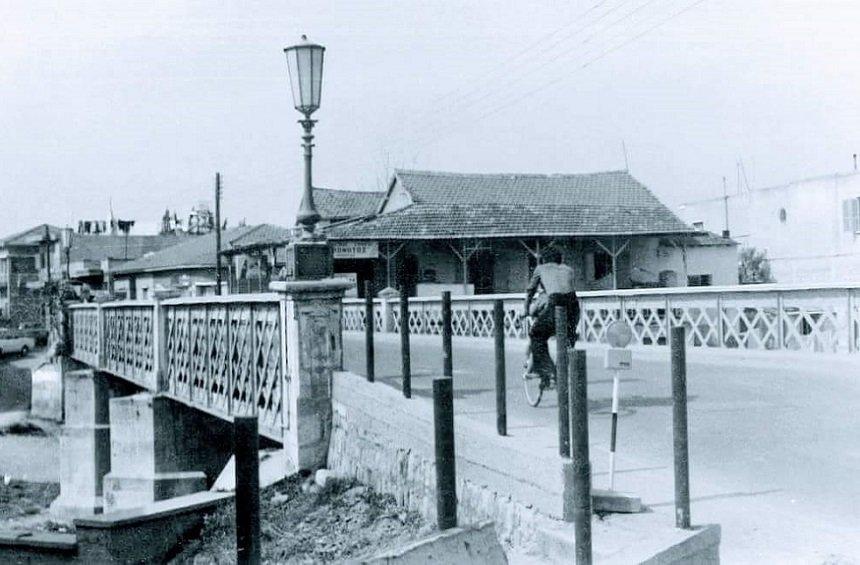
(188, 267)
(809, 228)
(256, 257)
(27, 261)
(484, 233)
(94, 258)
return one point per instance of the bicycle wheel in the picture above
(533, 386)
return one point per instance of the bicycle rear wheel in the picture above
(533, 386)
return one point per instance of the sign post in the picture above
(617, 358)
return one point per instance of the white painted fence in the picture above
(823, 318)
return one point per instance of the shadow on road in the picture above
(721, 496)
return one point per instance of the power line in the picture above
(487, 90)
(579, 55)
(600, 56)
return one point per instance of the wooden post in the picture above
(246, 446)
(501, 385)
(447, 360)
(405, 353)
(561, 363)
(368, 331)
(679, 428)
(446, 473)
(580, 457)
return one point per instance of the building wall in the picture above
(807, 244)
(653, 258)
(146, 283)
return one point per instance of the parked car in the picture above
(36, 331)
(16, 342)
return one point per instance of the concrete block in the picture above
(324, 476)
(614, 501)
(46, 398)
(86, 397)
(84, 461)
(121, 492)
(148, 534)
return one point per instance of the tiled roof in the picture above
(262, 235)
(32, 236)
(86, 247)
(194, 252)
(454, 205)
(341, 204)
(702, 239)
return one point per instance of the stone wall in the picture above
(386, 441)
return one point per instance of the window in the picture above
(699, 226)
(602, 264)
(699, 280)
(851, 215)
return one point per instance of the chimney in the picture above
(725, 234)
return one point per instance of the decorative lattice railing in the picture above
(224, 355)
(824, 318)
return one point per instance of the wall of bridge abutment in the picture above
(157, 383)
(820, 319)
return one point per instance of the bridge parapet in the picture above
(224, 355)
(815, 318)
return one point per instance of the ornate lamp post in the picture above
(305, 65)
(309, 257)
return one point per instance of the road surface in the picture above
(774, 448)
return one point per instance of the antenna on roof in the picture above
(855, 161)
(624, 149)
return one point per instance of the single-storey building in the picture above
(484, 233)
(188, 266)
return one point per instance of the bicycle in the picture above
(534, 383)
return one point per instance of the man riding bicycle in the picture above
(557, 281)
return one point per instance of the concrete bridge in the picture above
(155, 385)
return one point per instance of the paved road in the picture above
(775, 455)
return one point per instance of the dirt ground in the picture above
(304, 524)
(20, 499)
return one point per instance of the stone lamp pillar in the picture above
(311, 311)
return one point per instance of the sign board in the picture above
(618, 359)
(351, 292)
(355, 249)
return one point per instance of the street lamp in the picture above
(309, 257)
(305, 65)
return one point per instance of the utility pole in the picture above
(726, 207)
(218, 234)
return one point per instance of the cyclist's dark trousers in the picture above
(544, 328)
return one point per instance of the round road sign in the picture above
(618, 334)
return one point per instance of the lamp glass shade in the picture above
(305, 65)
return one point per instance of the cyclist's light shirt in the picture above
(556, 278)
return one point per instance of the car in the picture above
(35, 330)
(16, 342)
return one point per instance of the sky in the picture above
(135, 105)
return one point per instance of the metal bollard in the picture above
(580, 457)
(405, 352)
(561, 363)
(679, 428)
(501, 385)
(368, 331)
(446, 473)
(447, 360)
(246, 447)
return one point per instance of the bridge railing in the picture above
(821, 318)
(225, 355)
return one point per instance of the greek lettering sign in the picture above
(355, 249)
